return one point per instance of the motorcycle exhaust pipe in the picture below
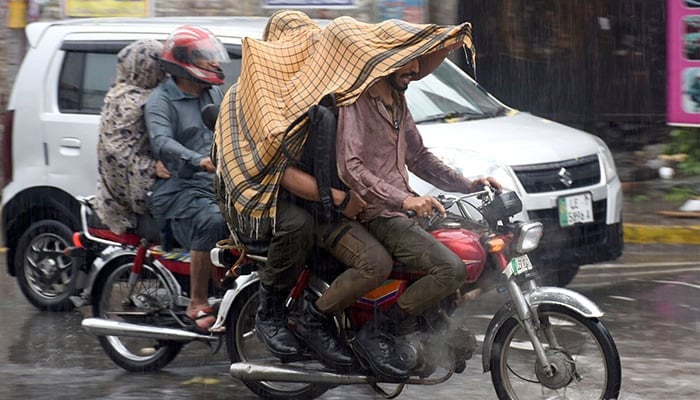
(105, 327)
(256, 372)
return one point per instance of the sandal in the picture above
(203, 318)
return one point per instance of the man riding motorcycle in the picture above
(184, 205)
(257, 202)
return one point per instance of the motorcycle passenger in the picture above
(184, 205)
(299, 227)
(127, 169)
(377, 144)
(308, 63)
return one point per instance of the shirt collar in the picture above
(174, 92)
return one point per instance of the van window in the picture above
(84, 82)
(86, 76)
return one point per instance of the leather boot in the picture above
(314, 328)
(272, 327)
(375, 344)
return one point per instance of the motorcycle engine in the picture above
(422, 352)
(412, 353)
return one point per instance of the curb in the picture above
(671, 234)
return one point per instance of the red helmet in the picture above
(193, 53)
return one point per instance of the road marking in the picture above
(690, 285)
(640, 265)
(622, 298)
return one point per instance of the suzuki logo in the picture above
(565, 177)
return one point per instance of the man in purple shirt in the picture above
(377, 143)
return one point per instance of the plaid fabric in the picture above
(283, 76)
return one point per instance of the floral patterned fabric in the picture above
(126, 167)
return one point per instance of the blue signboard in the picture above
(407, 10)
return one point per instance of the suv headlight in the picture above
(608, 160)
(528, 236)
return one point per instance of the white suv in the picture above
(566, 178)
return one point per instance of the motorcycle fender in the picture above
(107, 256)
(242, 282)
(541, 295)
(110, 254)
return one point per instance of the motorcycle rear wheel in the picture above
(244, 345)
(112, 302)
(587, 361)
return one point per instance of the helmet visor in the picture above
(208, 50)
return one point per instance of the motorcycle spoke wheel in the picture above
(244, 345)
(584, 358)
(141, 306)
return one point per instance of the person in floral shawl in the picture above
(126, 166)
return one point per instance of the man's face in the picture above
(400, 79)
(207, 64)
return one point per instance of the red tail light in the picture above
(7, 119)
(77, 242)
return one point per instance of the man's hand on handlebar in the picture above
(479, 183)
(423, 206)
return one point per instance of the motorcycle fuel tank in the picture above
(467, 246)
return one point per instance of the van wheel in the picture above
(45, 275)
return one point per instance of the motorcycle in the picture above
(138, 288)
(544, 342)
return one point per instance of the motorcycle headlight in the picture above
(608, 160)
(528, 236)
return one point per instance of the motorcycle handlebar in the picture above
(487, 193)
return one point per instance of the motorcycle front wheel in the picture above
(147, 304)
(244, 345)
(584, 357)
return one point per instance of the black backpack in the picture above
(318, 156)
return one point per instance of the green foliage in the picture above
(680, 193)
(686, 141)
(640, 198)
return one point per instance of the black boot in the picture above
(375, 344)
(272, 327)
(314, 328)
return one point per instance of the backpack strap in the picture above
(323, 122)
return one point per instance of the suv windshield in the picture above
(449, 93)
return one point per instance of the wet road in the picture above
(652, 311)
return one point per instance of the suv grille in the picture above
(552, 177)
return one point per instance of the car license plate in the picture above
(518, 265)
(575, 209)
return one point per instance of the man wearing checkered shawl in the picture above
(284, 76)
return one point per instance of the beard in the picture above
(395, 81)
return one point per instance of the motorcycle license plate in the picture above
(575, 209)
(518, 265)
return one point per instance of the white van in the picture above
(565, 177)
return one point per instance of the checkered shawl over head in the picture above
(282, 77)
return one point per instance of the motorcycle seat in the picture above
(146, 228)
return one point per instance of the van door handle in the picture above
(71, 143)
(70, 147)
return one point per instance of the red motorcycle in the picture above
(543, 343)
